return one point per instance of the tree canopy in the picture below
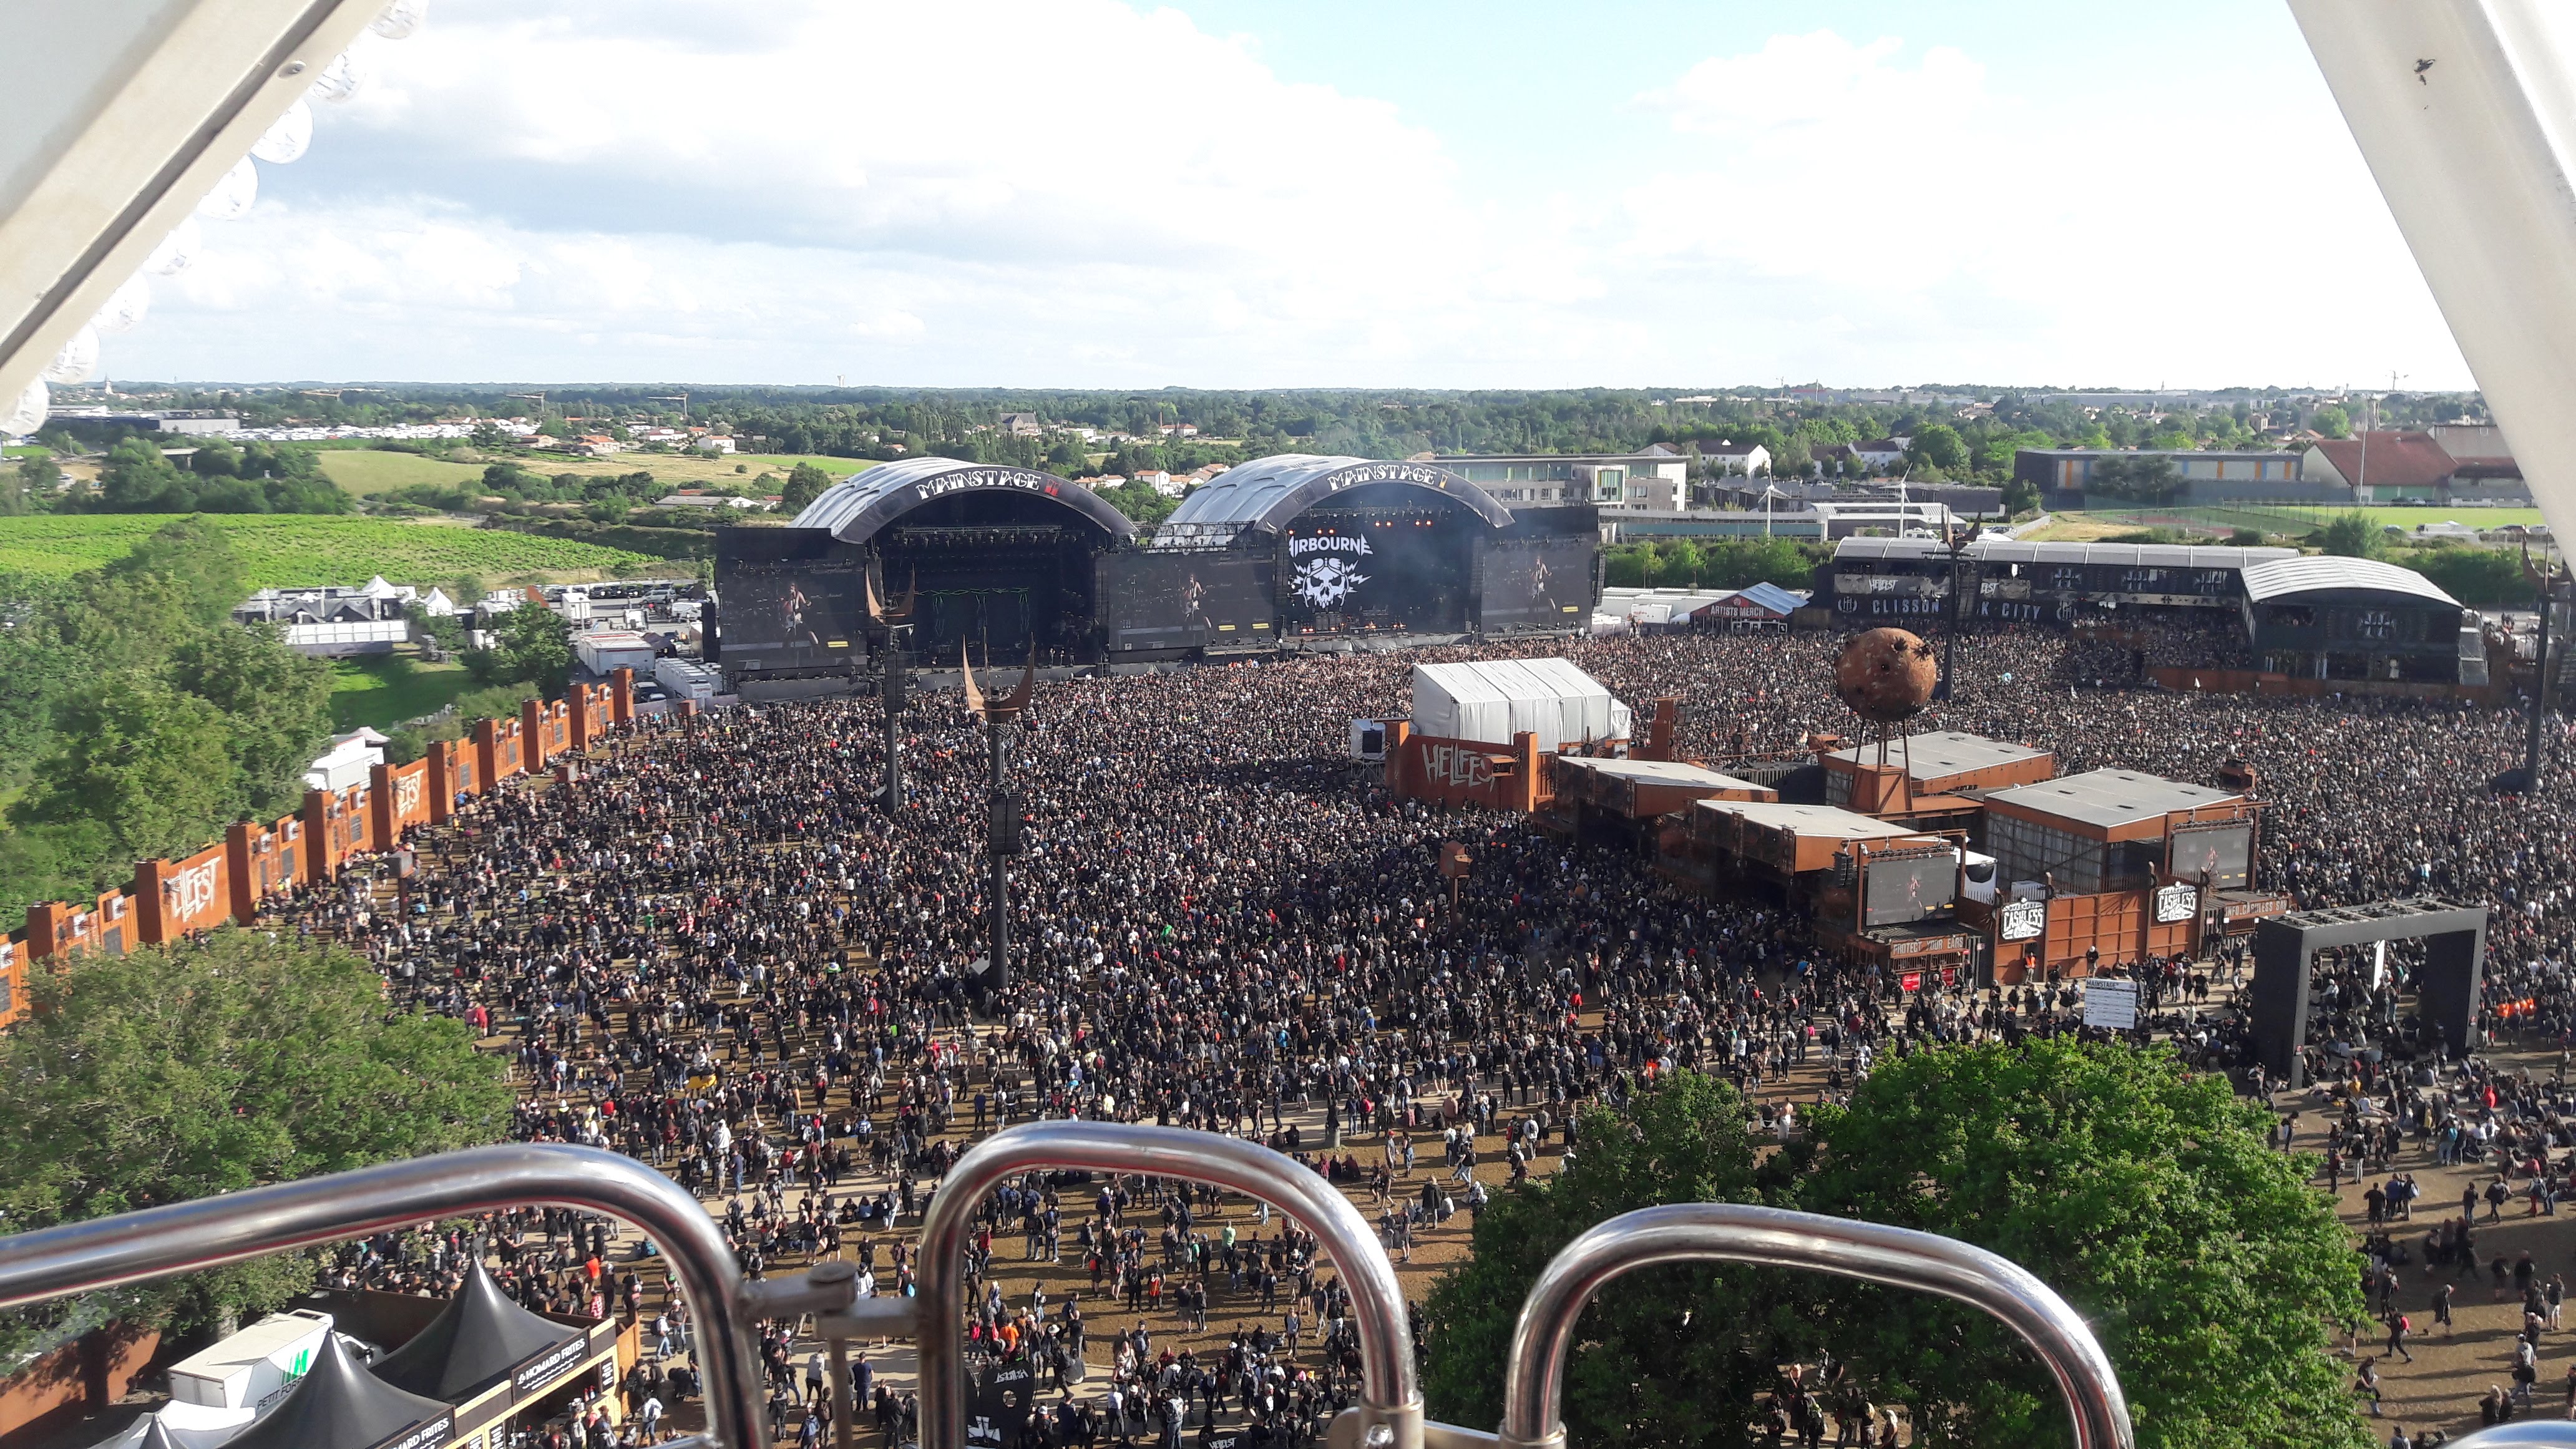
(2142, 1192)
(246, 1058)
(136, 719)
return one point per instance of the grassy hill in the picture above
(367, 472)
(286, 550)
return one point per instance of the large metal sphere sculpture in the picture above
(1886, 675)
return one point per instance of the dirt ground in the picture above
(2440, 1388)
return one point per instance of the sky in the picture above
(1285, 193)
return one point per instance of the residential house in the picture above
(1733, 459)
(1022, 425)
(1881, 453)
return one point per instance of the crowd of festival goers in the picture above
(719, 951)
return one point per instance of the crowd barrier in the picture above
(106, 1252)
(231, 879)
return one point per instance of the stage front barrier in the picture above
(106, 1252)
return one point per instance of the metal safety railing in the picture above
(106, 1252)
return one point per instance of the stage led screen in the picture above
(1909, 888)
(793, 598)
(2224, 849)
(1182, 600)
(1539, 582)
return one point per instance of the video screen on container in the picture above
(1909, 888)
(1540, 583)
(2225, 852)
(1181, 600)
(789, 602)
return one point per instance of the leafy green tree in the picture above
(30, 485)
(2145, 1194)
(2245, 538)
(148, 767)
(1683, 562)
(2350, 535)
(2142, 1192)
(1674, 1357)
(805, 483)
(2020, 497)
(166, 1075)
(2331, 421)
(275, 703)
(2478, 576)
(1940, 446)
(536, 646)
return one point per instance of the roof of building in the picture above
(1657, 772)
(2109, 797)
(1809, 819)
(1948, 752)
(2009, 550)
(1770, 596)
(2326, 573)
(338, 1405)
(476, 1339)
(857, 506)
(1267, 493)
(2223, 455)
(2392, 459)
(611, 639)
(1728, 450)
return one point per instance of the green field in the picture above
(2272, 518)
(382, 690)
(367, 472)
(287, 550)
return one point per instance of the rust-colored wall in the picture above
(1467, 772)
(232, 879)
(174, 898)
(91, 1372)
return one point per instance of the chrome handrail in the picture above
(211, 1232)
(1534, 1375)
(1389, 1385)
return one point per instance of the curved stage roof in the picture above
(1268, 492)
(855, 508)
(2327, 574)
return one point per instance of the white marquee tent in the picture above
(1492, 700)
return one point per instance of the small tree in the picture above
(1671, 1357)
(805, 483)
(166, 1075)
(2350, 535)
(536, 646)
(2143, 1192)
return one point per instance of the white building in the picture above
(602, 650)
(1748, 460)
(688, 679)
(347, 762)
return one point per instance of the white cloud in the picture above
(2165, 232)
(1079, 192)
